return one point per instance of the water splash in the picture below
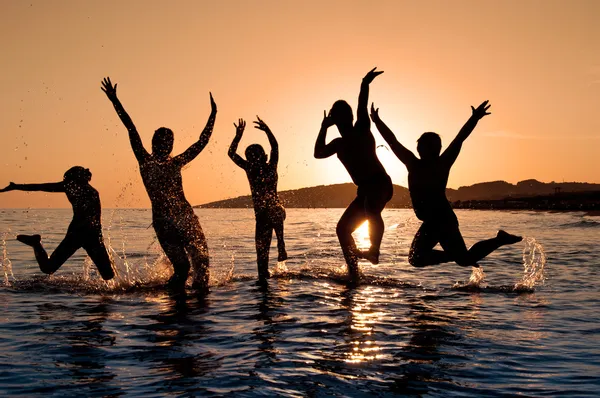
(475, 280)
(87, 268)
(220, 278)
(130, 275)
(280, 268)
(534, 262)
(477, 277)
(6, 263)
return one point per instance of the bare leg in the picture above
(280, 242)
(481, 249)
(263, 236)
(99, 255)
(349, 222)
(376, 199)
(376, 228)
(65, 249)
(421, 250)
(200, 261)
(181, 264)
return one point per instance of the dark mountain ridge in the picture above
(340, 195)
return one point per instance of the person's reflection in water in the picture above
(79, 342)
(177, 227)
(268, 313)
(434, 344)
(361, 332)
(175, 334)
(356, 346)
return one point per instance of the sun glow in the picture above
(392, 165)
(361, 236)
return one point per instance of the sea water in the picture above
(526, 322)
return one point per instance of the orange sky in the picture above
(538, 62)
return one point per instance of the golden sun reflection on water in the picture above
(365, 315)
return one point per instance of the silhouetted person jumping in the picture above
(85, 230)
(268, 209)
(356, 151)
(177, 227)
(427, 180)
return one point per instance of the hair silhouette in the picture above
(177, 227)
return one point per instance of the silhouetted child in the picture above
(356, 150)
(427, 180)
(85, 230)
(268, 209)
(177, 227)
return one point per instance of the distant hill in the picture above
(340, 195)
(322, 196)
(495, 190)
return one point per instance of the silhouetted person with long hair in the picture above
(177, 227)
(268, 210)
(85, 230)
(356, 150)
(427, 180)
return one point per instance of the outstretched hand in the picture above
(327, 120)
(10, 187)
(109, 89)
(481, 110)
(374, 112)
(369, 77)
(261, 125)
(213, 104)
(239, 128)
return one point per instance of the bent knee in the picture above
(464, 261)
(416, 261)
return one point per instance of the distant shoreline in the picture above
(495, 195)
(588, 213)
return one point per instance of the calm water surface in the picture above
(403, 332)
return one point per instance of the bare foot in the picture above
(508, 239)
(282, 256)
(30, 240)
(368, 255)
(201, 287)
(263, 275)
(176, 283)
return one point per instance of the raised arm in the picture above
(274, 158)
(239, 131)
(451, 153)
(362, 113)
(134, 138)
(195, 149)
(323, 150)
(45, 187)
(405, 156)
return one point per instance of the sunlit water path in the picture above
(526, 323)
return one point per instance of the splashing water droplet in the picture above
(87, 268)
(280, 268)
(477, 277)
(534, 262)
(6, 263)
